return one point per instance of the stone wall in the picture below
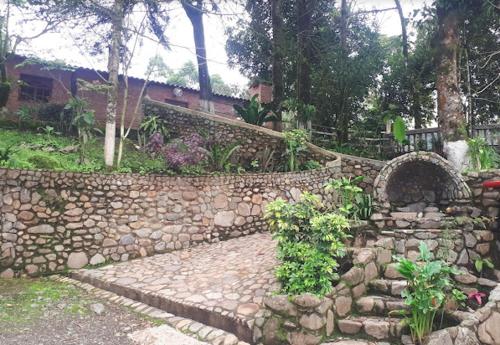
(488, 199)
(252, 139)
(54, 220)
(358, 166)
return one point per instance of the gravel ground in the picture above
(47, 313)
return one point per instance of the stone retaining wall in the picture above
(488, 199)
(54, 220)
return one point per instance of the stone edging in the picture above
(190, 327)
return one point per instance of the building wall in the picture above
(62, 89)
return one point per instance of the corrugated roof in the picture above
(156, 82)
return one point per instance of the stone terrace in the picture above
(221, 285)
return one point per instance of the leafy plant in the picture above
(264, 160)
(255, 113)
(151, 125)
(364, 203)
(185, 151)
(429, 282)
(24, 115)
(481, 263)
(155, 144)
(84, 122)
(400, 130)
(219, 156)
(309, 244)
(349, 196)
(49, 131)
(295, 141)
(311, 165)
(7, 153)
(482, 156)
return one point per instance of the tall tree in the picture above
(305, 10)
(451, 115)
(117, 17)
(278, 38)
(194, 10)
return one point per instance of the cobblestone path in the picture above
(217, 284)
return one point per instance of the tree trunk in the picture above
(304, 27)
(195, 15)
(451, 116)
(343, 117)
(404, 35)
(4, 53)
(113, 82)
(277, 58)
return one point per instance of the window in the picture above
(177, 103)
(34, 88)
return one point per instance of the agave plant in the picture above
(255, 113)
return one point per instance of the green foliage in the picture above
(264, 160)
(309, 244)
(311, 165)
(44, 161)
(353, 202)
(295, 141)
(219, 157)
(6, 154)
(481, 263)
(482, 156)
(25, 114)
(399, 130)
(429, 284)
(255, 113)
(150, 125)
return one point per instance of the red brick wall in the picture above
(62, 86)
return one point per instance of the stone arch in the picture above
(419, 176)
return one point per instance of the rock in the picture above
(41, 229)
(25, 215)
(97, 308)
(377, 329)
(371, 272)
(307, 301)
(248, 309)
(127, 240)
(77, 260)
(343, 305)
(221, 201)
(312, 322)
(7, 274)
(281, 305)
(365, 304)
(224, 218)
(97, 259)
(354, 276)
(108, 242)
(391, 272)
(489, 330)
(330, 323)
(189, 195)
(347, 326)
(441, 337)
(297, 338)
(271, 332)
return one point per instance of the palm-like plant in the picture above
(255, 113)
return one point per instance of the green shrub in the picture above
(41, 161)
(309, 244)
(310, 165)
(429, 285)
(353, 202)
(295, 141)
(482, 156)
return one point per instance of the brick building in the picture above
(32, 84)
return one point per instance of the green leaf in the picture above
(399, 130)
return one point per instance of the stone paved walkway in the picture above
(220, 284)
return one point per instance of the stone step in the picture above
(379, 305)
(372, 327)
(392, 287)
(356, 341)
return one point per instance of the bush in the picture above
(482, 156)
(353, 202)
(185, 151)
(44, 162)
(309, 244)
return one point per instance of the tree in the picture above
(278, 39)
(194, 10)
(451, 115)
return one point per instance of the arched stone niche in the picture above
(419, 177)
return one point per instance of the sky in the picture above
(63, 45)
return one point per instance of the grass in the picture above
(23, 301)
(31, 150)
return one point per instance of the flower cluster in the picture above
(155, 144)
